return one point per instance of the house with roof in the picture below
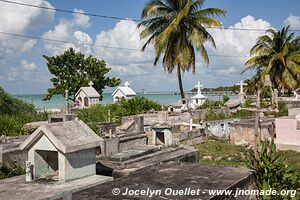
(62, 151)
(123, 92)
(87, 96)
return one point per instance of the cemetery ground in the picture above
(220, 153)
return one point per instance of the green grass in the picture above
(220, 153)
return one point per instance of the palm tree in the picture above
(178, 28)
(277, 54)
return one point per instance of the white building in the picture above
(198, 99)
(123, 92)
(87, 96)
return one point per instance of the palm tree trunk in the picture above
(180, 84)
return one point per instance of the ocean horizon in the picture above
(58, 101)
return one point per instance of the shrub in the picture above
(283, 110)
(99, 113)
(271, 170)
(242, 114)
(9, 170)
(12, 125)
(10, 105)
(211, 115)
(14, 113)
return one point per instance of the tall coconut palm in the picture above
(178, 28)
(277, 54)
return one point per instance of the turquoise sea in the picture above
(57, 101)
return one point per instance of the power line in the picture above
(118, 18)
(95, 45)
(68, 11)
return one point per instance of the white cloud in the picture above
(19, 19)
(24, 72)
(138, 66)
(81, 20)
(125, 34)
(28, 66)
(69, 30)
(293, 21)
(232, 43)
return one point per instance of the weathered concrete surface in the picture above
(132, 124)
(130, 141)
(9, 150)
(16, 188)
(175, 176)
(134, 152)
(35, 125)
(167, 155)
(243, 132)
(191, 138)
(70, 136)
(287, 133)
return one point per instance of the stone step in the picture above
(164, 156)
(115, 164)
(134, 152)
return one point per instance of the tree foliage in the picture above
(72, 70)
(14, 113)
(178, 28)
(277, 53)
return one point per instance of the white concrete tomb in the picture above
(63, 149)
(198, 99)
(123, 92)
(87, 96)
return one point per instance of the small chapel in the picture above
(87, 96)
(199, 98)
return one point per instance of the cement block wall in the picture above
(11, 152)
(243, 132)
(190, 138)
(132, 141)
(110, 146)
(138, 125)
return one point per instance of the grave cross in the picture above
(91, 83)
(126, 84)
(199, 86)
(242, 84)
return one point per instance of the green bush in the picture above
(211, 115)
(100, 113)
(283, 110)
(10, 105)
(271, 170)
(9, 170)
(242, 114)
(12, 125)
(14, 113)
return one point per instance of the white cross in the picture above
(91, 83)
(126, 84)
(242, 84)
(199, 87)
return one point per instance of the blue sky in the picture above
(22, 67)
